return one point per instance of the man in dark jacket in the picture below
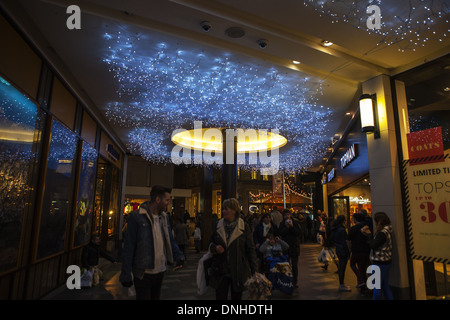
(290, 232)
(149, 246)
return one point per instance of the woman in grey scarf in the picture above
(234, 259)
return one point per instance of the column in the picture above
(206, 204)
(229, 166)
(384, 172)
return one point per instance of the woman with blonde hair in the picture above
(234, 258)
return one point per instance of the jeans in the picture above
(377, 293)
(341, 269)
(149, 287)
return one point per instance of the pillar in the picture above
(206, 204)
(229, 166)
(384, 169)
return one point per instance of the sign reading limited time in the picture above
(429, 193)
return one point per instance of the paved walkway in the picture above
(314, 283)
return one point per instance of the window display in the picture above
(18, 116)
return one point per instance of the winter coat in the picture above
(138, 252)
(238, 261)
(381, 246)
(339, 238)
(181, 234)
(291, 236)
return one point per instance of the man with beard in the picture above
(149, 246)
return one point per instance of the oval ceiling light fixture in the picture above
(210, 139)
(327, 43)
(295, 62)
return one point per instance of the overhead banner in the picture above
(427, 200)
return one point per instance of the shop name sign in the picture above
(349, 156)
(425, 146)
(428, 207)
(112, 152)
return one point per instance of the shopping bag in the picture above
(280, 274)
(87, 278)
(319, 239)
(324, 256)
(202, 273)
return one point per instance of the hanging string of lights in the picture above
(409, 24)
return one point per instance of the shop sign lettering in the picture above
(428, 190)
(425, 146)
(349, 156)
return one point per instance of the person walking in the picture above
(339, 238)
(197, 238)
(234, 257)
(276, 216)
(291, 233)
(181, 232)
(149, 246)
(381, 252)
(360, 251)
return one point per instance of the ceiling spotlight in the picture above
(295, 62)
(262, 43)
(326, 43)
(447, 89)
(206, 25)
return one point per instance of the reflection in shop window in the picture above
(58, 182)
(18, 117)
(85, 202)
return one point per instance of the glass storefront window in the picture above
(85, 202)
(18, 116)
(57, 193)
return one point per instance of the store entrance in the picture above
(340, 205)
(106, 205)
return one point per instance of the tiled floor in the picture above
(314, 283)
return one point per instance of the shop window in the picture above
(58, 187)
(18, 117)
(85, 201)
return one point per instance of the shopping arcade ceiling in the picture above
(150, 68)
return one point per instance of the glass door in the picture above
(340, 205)
(106, 204)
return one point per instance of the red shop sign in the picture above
(425, 146)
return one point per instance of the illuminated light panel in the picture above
(163, 85)
(248, 140)
(408, 24)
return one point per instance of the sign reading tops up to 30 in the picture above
(427, 177)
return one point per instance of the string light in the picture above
(406, 23)
(162, 87)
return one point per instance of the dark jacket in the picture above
(91, 254)
(138, 251)
(238, 261)
(258, 234)
(339, 238)
(358, 240)
(291, 236)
